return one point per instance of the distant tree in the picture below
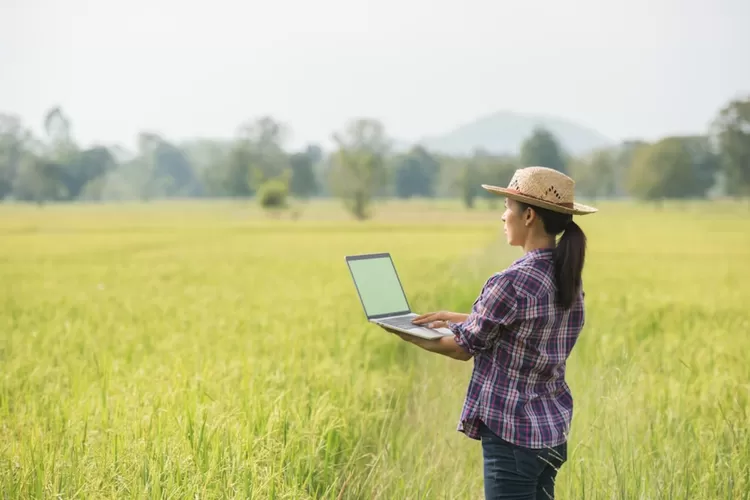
(731, 128)
(161, 170)
(469, 181)
(234, 178)
(12, 147)
(449, 182)
(674, 167)
(303, 183)
(209, 160)
(542, 149)
(623, 160)
(173, 172)
(416, 173)
(596, 174)
(61, 146)
(706, 163)
(273, 193)
(495, 170)
(359, 164)
(86, 167)
(315, 153)
(262, 143)
(40, 180)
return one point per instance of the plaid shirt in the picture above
(520, 339)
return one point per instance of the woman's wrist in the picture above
(457, 317)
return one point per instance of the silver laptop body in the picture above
(382, 295)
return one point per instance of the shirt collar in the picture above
(539, 254)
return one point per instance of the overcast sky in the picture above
(186, 68)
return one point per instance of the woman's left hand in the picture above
(404, 336)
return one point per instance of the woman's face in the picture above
(515, 227)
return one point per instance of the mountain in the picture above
(504, 132)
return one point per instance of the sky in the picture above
(190, 68)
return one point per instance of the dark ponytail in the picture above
(569, 255)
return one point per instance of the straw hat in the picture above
(543, 187)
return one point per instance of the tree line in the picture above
(362, 166)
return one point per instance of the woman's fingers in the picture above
(422, 317)
(438, 324)
(426, 318)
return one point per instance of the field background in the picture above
(207, 350)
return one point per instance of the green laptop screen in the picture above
(378, 286)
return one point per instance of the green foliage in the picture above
(732, 130)
(623, 158)
(86, 167)
(675, 167)
(60, 145)
(470, 182)
(706, 163)
(542, 149)
(303, 183)
(360, 169)
(262, 144)
(494, 170)
(359, 165)
(273, 193)
(484, 168)
(12, 149)
(416, 174)
(40, 180)
(596, 174)
(234, 179)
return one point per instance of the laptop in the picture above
(382, 296)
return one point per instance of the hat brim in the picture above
(576, 209)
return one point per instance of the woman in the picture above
(520, 332)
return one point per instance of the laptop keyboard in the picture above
(400, 322)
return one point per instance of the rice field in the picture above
(207, 350)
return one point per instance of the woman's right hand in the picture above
(438, 319)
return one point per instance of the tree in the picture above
(86, 167)
(623, 160)
(671, 168)
(12, 143)
(449, 182)
(416, 174)
(731, 128)
(262, 144)
(596, 174)
(495, 170)
(61, 147)
(303, 183)
(359, 164)
(39, 180)
(542, 149)
(233, 179)
(173, 172)
(273, 193)
(160, 170)
(469, 182)
(706, 163)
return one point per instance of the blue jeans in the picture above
(518, 473)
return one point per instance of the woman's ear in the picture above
(529, 217)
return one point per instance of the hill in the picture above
(504, 132)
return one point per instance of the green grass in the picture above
(181, 350)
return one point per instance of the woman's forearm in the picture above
(458, 317)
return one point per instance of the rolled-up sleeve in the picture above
(495, 307)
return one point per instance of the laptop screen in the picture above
(378, 286)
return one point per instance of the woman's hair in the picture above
(570, 252)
